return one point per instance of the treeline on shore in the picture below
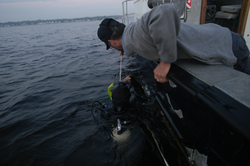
(56, 21)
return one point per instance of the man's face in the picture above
(116, 45)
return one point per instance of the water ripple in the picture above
(50, 75)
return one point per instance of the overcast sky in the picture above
(21, 10)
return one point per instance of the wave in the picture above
(46, 71)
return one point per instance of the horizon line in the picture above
(57, 19)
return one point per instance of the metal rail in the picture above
(125, 15)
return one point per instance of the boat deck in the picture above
(231, 82)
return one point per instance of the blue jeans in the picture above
(241, 52)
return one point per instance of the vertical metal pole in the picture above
(123, 17)
(127, 11)
(120, 69)
(185, 12)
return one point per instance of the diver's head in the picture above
(120, 98)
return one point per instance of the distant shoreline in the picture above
(57, 21)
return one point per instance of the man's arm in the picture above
(161, 71)
(137, 86)
(163, 25)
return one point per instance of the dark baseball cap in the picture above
(104, 32)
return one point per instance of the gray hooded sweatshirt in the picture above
(160, 35)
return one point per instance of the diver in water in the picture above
(130, 120)
(122, 114)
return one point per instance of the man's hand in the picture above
(127, 79)
(122, 53)
(161, 71)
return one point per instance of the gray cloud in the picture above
(35, 12)
(15, 1)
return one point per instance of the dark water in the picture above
(49, 77)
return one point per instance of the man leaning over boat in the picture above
(160, 36)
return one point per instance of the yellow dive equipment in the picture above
(109, 91)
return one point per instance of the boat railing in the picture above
(127, 17)
(180, 4)
(143, 6)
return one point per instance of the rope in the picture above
(120, 69)
(165, 161)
